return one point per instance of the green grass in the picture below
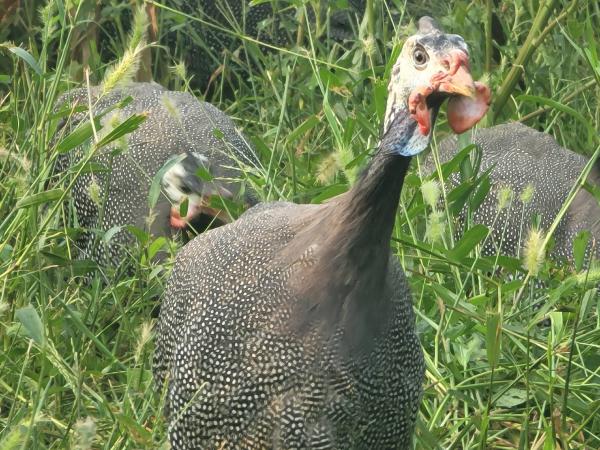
(76, 357)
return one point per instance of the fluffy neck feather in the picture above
(350, 239)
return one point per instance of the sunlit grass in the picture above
(75, 363)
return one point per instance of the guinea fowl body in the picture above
(262, 386)
(520, 156)
(176, 124)
(292, 328)
(290, 376)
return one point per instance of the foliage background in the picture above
(501, 374)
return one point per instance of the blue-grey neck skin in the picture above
(370, 206)
(403, 137)
(368, 211)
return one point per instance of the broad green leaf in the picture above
(481, 193)
(110, 233)
(183, 207)
(579, 245)
(94, 167)
(380, 93)
(80, 135)
(479, 300)
(155, 246)
(511, 398)
(140, 235)
(128, 126)
(30, 319)
(41, 197)
(224, 204)
(447, 295)
(508, 262)
(124, 102)
(454, 164)
(204, 174)
(55, 259)
(330, 191)
(303, 128)
(83, 266)
(66, 111)
(472, 237)
(5, 252)
(78, 266)
(457, 198)
(25, 56)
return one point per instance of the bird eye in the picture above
(420, 56)
(185, 189)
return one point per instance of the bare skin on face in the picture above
(469, 99)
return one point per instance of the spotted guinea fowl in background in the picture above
(292, 327)
(221, 22)
(176, 124)
(521, 156)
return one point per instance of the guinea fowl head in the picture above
(181, 182)
(432, 66)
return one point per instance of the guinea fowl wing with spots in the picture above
(283, 386)
(292, 327)
(176, 123)
(520, 156)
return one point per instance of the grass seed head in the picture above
(139, 30)
(369, 46)
(124, 71)
(145, 334)
(435, 226)
(85, 433)
(95, 192)
(179, 70)
(527, 193)
(431, 193)
(328, 168)
(534, 251)
(505, 195)
(170, 106)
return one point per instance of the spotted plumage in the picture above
(292, 327)
(221, 22)
(520, 157)
(176, 124)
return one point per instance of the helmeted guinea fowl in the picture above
(222, 21)
(520, 157)
(176, 124)
(292, 327)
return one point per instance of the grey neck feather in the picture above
(347, 285)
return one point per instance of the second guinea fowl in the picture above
(176, 124)
(292, 327)
(221, 22)
(518, 157)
